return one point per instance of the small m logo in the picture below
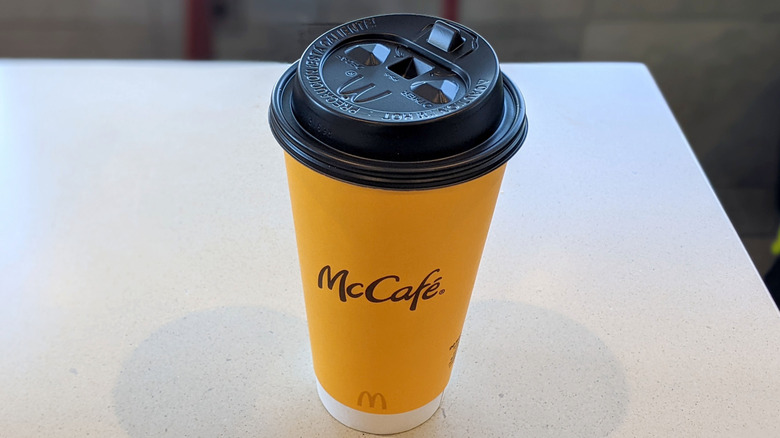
(372, 399)
(353, 91)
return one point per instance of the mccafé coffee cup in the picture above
(396, 129)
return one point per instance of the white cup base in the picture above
(381, 424)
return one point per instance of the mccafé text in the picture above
(382, 289)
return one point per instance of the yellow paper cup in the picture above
(391, 212)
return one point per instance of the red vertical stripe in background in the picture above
(450, 9)
(198, 29)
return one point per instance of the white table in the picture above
(149, 282)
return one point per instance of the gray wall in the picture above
(91, 28)
(716, 61)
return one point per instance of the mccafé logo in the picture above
(382, 289)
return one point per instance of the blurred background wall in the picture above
(716, 61)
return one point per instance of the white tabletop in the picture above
(149, 282)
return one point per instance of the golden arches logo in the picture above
(353, 91)
(372, 398)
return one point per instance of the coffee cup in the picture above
(397, 130)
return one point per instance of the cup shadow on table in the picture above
(232, 371)
(246, 372)
(534, 372)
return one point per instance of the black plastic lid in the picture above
(399, 102)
